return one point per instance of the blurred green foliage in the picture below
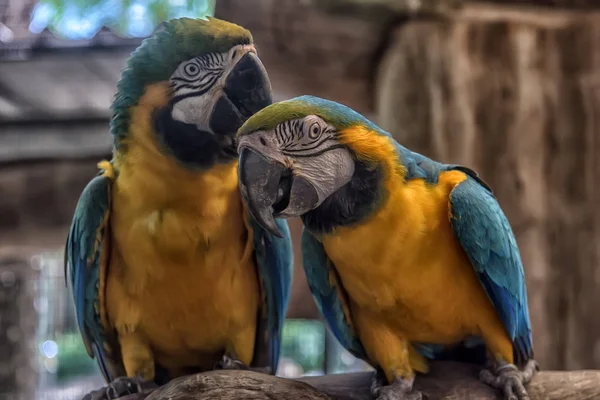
(82, 19)
(304, 342)
(73, 360)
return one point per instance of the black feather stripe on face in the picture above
(192, 148)
(349, 204)
(197, 75)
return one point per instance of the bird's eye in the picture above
(314, 131)
(191, 70)
(234, 54)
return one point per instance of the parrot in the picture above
(408, 259)
(168, 272)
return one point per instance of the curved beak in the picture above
(271, 190)
(259, 185)
(247, 90)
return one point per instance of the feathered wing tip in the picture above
(523, 349)
(158, 56)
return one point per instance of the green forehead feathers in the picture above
(331, 112)
(157, 57)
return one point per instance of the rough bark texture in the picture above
(446, 381)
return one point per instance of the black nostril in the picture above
(263, 141)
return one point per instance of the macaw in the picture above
(169, 273)
(406, 257)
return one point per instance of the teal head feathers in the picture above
(335, 114)
(216, 82)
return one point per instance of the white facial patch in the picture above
(327, 172)
(198, 83)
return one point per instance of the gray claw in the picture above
(230, 363)
(510, 380)
(377, 382)
(233, 363)
(118, 388)
(400, 389)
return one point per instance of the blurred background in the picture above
(508, 87)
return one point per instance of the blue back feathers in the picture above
(274, 257)
(487, 238)
(82, 266)
(329, 294)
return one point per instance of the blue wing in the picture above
(329, 294)
(486, 236)
(85, 268)
(274, 257)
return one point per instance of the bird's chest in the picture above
(189, 278)
(408, 277)
(202, 305)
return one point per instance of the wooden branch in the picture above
(447, 380)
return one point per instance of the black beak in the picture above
(247, 90)
(259, 184)
(271, 190)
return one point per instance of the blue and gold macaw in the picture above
(406, 257)
(168, 271)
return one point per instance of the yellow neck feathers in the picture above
(377, 150)
(147, 172)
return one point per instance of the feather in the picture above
(275, 263)
(486, 236)
(84, 269)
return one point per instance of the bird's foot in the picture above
(233, 363)
(510, 380)
(230, 363)
(400, 389)
(121, 387)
